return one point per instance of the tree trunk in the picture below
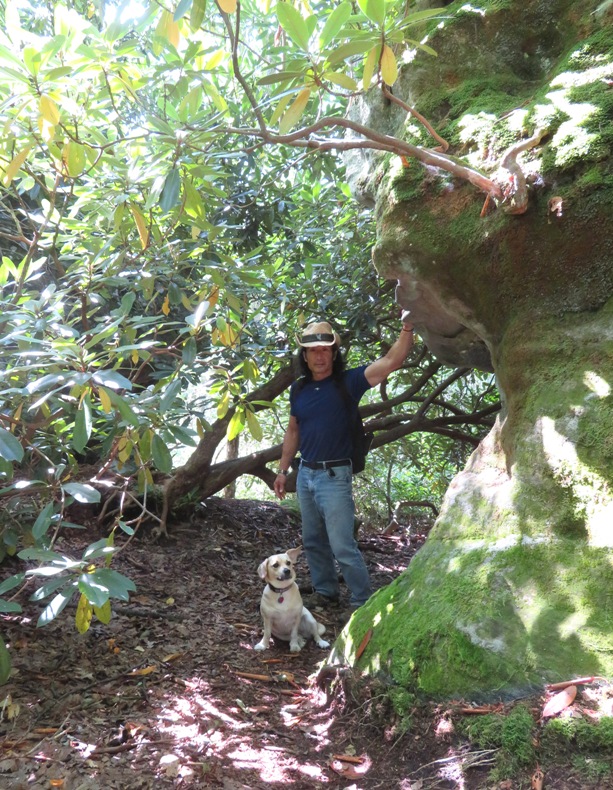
(513, 585)
(232, 446)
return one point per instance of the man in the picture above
(322, 408)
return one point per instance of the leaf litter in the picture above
(170, 693)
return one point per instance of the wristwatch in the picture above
(283, 472)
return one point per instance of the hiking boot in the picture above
(318, 601)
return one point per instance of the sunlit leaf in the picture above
(82, 492)
(389, 67)
(370, 65)
(293, 23)
(83, 616)
(343, 80)
(49, 110)
(280, 109)
(255, 429)
(227, 6)
(294, 112)
(236, 424)
(196, 16)
(334, 23)
(112, 379)
(141, 226)
(374, 10)
(15, 166)
(74, 158)
(53, 609)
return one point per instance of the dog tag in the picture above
(280, 599)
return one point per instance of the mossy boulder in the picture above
(513, 586)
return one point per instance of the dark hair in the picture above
(303, 375)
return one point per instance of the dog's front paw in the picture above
(295, 647)
(323, 644)
(260, 645)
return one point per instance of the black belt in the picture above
(325, 464)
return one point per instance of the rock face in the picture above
(513, 587)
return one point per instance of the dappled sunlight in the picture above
(598, 386)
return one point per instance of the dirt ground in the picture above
(172, 694)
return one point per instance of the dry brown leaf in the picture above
(171, 657)
(363, 644)
(349, 770)
(538, 777)
(560, 701)
(143, 671)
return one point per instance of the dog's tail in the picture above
(321, 629)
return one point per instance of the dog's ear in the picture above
(293, 554)
(262, 570)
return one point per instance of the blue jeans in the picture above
(326, 505)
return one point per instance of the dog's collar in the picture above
(279, 590)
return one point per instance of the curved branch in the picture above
(302, 138)
(417, 115)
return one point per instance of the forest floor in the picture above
(172, 694)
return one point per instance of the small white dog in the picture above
(281, 606)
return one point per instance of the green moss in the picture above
(512, 734)
(584, 735)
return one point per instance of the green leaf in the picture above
(334, 23)
(370, 64)
(343, 80)
(10, 607)
(10, 446)
(96, 593)
(236, 424)
(13, 581)
(255, 429)
(171, 392)
(53, 609)
(119, 586)
(5, 662)
(292, 22)
(82, 492)
(123, 407)
(43, 521)
(82, 425)
(104, 613)
(196, 16)
(349, 50)
(112, 379)
(74, 157)
(418, 16)
(161, 454)
(281, 76)
(171, 190)
(182, 9)
(374, 10)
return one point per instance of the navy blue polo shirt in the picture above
(323, 417)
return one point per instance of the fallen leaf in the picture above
(560, 701)
(143, 671)
(538, 777)
(171, 657)
(363, 644)
(349, 770)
